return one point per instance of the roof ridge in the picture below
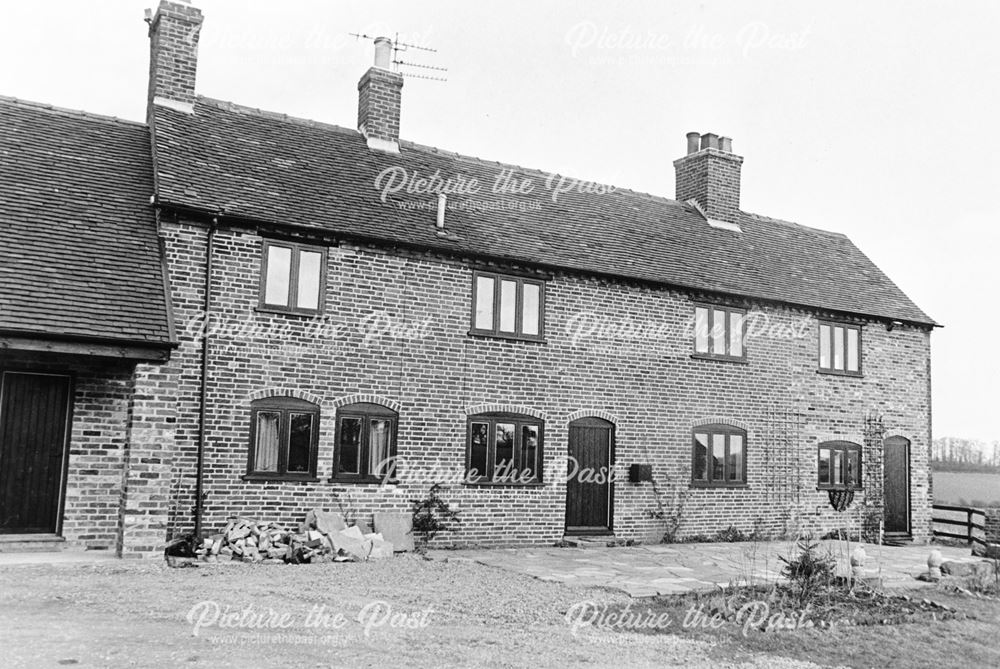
(66, 111)
(405, 143)
(535, 171)
(770, 219)
(227, 105)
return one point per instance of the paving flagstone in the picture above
(647, 571)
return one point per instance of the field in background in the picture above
(967, 489)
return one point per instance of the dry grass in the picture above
(856, 627)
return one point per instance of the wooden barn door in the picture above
(589, 493)
(896, 452)
(33, 418)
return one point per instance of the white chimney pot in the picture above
(383, 53)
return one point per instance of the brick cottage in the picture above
(225, 311)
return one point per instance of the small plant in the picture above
(809, 570)
(346, 510)
(842, 534)
(731, 534)
(671, 516)
(432, 516)
(699, 538)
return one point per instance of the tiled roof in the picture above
(273, 168)
(79, 255)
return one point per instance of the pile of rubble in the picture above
(323, 537)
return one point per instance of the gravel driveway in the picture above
(413, 612)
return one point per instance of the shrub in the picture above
(431, 516)
(809, 570)
(842, 534)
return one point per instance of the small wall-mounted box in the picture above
(640, 473)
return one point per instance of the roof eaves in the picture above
(158, 343)
(374, 239)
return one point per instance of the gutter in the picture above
(203, 399)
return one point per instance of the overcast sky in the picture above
(875, 119)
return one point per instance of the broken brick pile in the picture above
(323, 537)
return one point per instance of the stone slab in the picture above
(641, 572)
(329, 522)
(395, 528)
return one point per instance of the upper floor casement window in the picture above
(284, 434)
(292, 277)
(504, 449)
(839, 465)
(365, 444)
(719, 456)
(508, 306)
(720, 332)
(840, 349)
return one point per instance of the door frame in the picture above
(907, 444)
(67, 430)
(595, 421)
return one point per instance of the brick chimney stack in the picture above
(710, 175)
(379, 96)
(173, 54)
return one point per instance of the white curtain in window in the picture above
(378, 447)
(266, 454)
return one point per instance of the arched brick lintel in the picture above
(505, 408)
(593, 413)
(721, 420)
(285, 392)
(367, 398)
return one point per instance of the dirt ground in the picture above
(405, 612)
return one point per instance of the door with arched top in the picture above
(896, 486)
(589, 485)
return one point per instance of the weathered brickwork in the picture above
(98, 445)
(173, 58)
(379, 101)
(712, 177)
(395, 331)
(148, 473)
(991, 524)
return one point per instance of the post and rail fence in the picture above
(969, 534)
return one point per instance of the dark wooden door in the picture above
(33, 413)
(589, 486)
(896, 461)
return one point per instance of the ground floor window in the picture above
(365, 443)
(839, 465)
(504, 448)
(283, 439)
(719, 456)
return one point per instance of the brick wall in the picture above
(991, 524)
(148, 473)
(712, 177)
(173, 56)
(650, 387)
(379, 99)
(98, 444)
